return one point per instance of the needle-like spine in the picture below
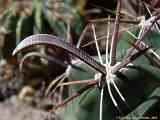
(101, 61)
(96, 43)
(108, 80)
(101, 105)
(156, 24)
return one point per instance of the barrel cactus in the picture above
(120, 82)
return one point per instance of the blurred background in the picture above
(64, 18)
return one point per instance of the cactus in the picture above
(133, 82)
(127, 87)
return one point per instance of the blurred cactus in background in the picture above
(22, 18)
